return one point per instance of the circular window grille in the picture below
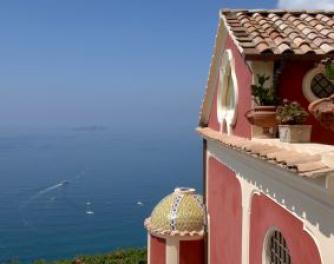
(321, 86)
(278, 250)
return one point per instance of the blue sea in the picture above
(87, 190)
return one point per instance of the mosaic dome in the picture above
(179, 214)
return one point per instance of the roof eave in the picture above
(288, 56)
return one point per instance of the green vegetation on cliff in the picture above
(124, 256)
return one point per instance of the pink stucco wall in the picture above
(266, 214)
(224, 208)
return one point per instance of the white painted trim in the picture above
(148, 248)
(308, 229)
(227, 74)
(307, 80)
(172, 251)
(181, 238)
(210, 89)
(248, 191)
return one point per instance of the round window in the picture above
(321, 86)
(316, 85)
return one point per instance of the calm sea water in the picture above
(65, 192)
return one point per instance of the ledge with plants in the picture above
(292, 118)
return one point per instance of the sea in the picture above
(87, 189)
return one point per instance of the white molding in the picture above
(310, 230)
(172, 250)
(226, 74)
(306, 199)
(307, 91)
(248, 190)
(210, 89)
(181, 238)
(148, 248)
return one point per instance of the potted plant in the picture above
(323, 110)
(292, 118)
(264, 113)
(329, 69)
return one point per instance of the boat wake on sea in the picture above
(43, 192)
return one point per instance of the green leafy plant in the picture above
(329, 69)
(264, 96)
(122, 256)
(291, 113)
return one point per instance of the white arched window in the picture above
(316, 85)
(227, 96)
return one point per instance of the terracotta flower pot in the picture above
(262, 116)
(323, 111)
(295, 133)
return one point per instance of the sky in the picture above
(120, 62)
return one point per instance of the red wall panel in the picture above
(266, 214)
(224, 207)
(192, 252)
(291, 88)
(157, 250)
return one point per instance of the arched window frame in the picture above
(266, 251)
(307, 81)
(227, 116)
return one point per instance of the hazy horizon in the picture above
(119, 63)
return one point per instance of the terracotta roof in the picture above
(273, 33)
(302, 164)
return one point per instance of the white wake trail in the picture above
(42, 192)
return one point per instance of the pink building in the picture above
(265, 201)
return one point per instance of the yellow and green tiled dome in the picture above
(178, 214)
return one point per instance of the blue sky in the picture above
(71, 63)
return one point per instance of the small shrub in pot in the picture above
(292, 118)
(262, 95)
(264, 113)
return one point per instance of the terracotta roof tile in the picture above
(265, 152)
(282, 31)
(310, 166)
(303, 164)
(302, 158)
